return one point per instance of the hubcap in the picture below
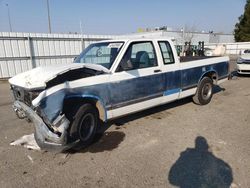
(206, 91)
(86, 126)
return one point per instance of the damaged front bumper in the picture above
(46, 138)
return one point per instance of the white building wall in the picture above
(231, 48)
(182, 37)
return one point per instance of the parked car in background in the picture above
(243, 63)
(208, 52)
(247, 51)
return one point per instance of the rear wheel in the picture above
(84, 125)
(204, 91)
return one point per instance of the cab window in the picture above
(139, 55)
(167, 53)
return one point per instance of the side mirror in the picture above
(119, 68)
(124, 66)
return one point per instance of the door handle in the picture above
(157, 70)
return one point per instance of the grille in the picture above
(245, 71)
(246, 62)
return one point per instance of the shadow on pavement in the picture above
(106, 141)
(199, 168)
(217, 89)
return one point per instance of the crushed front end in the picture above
(48, 135)
(39, 96)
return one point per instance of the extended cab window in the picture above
(138, 55)
(167, 53)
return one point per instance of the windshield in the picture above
(100, 53)
(247, 51)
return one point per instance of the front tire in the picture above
(84, 125)
(204, 91)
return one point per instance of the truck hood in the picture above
(38, 77)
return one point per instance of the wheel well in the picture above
(71, 105)
(211, 74)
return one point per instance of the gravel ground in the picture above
(178, 144)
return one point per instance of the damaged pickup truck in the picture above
(109, 79)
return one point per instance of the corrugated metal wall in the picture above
(20, 52)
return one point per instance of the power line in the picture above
(48, 11)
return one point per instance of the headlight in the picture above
(240, 61)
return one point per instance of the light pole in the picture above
(9, 17)
(81, 27)
(183, 40)
(48, 16)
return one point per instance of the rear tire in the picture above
(84, 125)
(204, 91)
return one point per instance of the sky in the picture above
(119, 16)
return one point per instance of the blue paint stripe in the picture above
(171, 91)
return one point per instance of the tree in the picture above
(188, 33)
(242, 28)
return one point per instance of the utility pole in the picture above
(81, 27)
(48, 16)
(9, 17)
(183, 40)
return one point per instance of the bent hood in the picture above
(38, 77)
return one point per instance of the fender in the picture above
(211, 70)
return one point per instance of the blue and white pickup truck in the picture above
(107, 80)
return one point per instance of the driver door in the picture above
(137, 80)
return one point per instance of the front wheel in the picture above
(204, 91)
(84, 124)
